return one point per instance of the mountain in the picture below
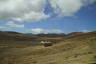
(51, 35)
(9, 35)
(79, 48)
(75, 33)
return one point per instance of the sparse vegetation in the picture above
(75, 49)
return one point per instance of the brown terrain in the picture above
(73, 48)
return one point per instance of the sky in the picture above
(48, 16)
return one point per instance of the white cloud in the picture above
(38, 30)
(45, 31)
(32, 16)
(2, 27)
(26, 10)
(86, 31)
(33, 10)
(68, 7)
(13, 25)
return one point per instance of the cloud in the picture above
(45, 31)
(13, 25)
(2, 27)
(38, 30)
(22, 10)
(32, 16)
(68, 7)
(33, 10)
(85, 31)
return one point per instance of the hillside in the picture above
(75, 48)
(31, 39)
(9, 35)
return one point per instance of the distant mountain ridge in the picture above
(10, 35)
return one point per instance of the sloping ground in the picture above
(79, 49)
(15, 37)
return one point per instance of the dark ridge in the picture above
(75, 33)
(11, 32)
(51, 35)
(10, 35)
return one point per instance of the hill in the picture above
(72, 49)
(31, 39)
